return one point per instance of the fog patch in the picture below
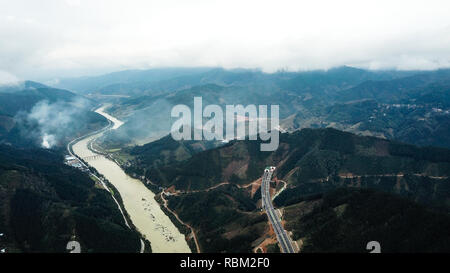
(146, 124)
(8, 79)
(48, 123)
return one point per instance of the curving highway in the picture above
(282, 237)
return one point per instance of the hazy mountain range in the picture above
(385, 114)
(216, 197)
(35, 114)
(409, 106)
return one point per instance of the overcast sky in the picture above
(60, 38)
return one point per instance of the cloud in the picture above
(73, 3)
(53, 38)
(7, 78)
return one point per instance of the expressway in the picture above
(282, 237)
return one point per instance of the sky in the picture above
(50, 39)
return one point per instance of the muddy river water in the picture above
(138, 200)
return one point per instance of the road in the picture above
(165, 203)
(110, 125)
(282, 237)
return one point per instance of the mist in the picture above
(47, 124)
(8, 79)
(145, 124)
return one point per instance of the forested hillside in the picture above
(346, 220)
(316, 158)
(33, 114)
(217, 191)
(45, 204)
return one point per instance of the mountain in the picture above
(305, 159)
(24, 96)
(131, 82)
(296, 93)
(411, 106)
(31, 112)
(396, 90)
(155, 111)
(150, 81)
(419, 122)
(166, 150)
(412, 109)
(332, 179)
(345, 220)
(325, 178)
(325, 83)
(45, 204)
(225, 219)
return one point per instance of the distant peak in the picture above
(32, 84)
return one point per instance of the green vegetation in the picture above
(345, 220)
(17, 101)
(314, 162)
(304, 159)
(165, 151)
(45, 203)
(225, 218)
(273, 248)
(407, 106)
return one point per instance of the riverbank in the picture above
(138, 201)
(145, 246)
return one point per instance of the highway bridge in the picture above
(274, 218)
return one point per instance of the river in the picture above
(138, 200)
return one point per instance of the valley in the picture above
(138, 201)
(224, 135)
(323, 161)
(344, 138)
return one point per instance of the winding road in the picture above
(70, 151)
(138, 201)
